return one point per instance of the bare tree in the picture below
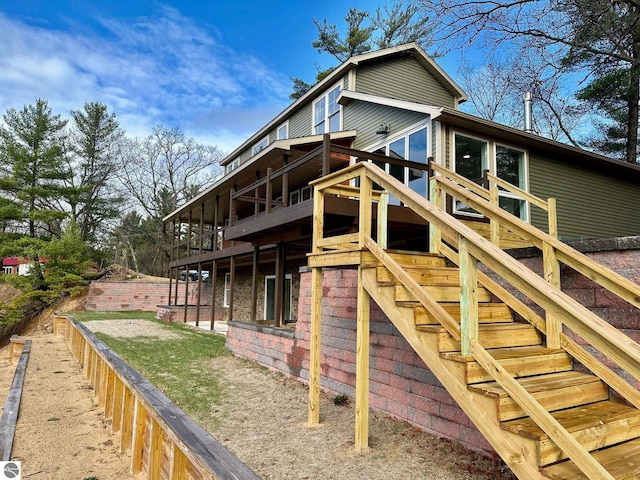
(592, 36)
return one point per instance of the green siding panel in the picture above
(402, 78)
(590, 204)
(366, 118)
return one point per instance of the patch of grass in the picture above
(85, 316)
(340, 400)
(179, 367)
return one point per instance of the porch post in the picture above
(199, 292)
(362, 366)
(186, 295)
(278, 310)
(254, 283)
(232, 281)
(314, 346)
(213, 276)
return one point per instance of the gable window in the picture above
(326, 113)
(283, 131)
(233, 165)
(261, 145)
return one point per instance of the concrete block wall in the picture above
(145, 296)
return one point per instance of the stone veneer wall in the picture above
(400, 383)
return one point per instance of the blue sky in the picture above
(217, 69)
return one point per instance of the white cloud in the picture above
(164, 69)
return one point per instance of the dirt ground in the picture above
(61, 434)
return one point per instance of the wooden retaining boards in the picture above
(164, 441)
(12, 405)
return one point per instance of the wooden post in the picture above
(362, 366)
(552, 276)
(232, 281)
(278, 311)
(186, 294)
(318, 220)
(175, 297)
(383, 212)
(326, 154)
(468, 297)
(314, 346)
(552, 217)
(213, 276)
(139, 431)
(365, 208)
(198, 293)
(494, 197)
(254, 284)
(435, 235)
(268, 191)
(216, 224)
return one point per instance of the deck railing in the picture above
(466, 248)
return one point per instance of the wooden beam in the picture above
(232, 281)
(314, 346)
(278, 311)
(198, 294)
(12, 404)
(362, 366)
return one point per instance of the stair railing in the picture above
(473, 248)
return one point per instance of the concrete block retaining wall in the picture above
(146, 296)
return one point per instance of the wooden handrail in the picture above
(474, 248)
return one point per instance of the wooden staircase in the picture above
(579, 401)
(550, 408)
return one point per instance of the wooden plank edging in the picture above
(12, 404)
(195, 447)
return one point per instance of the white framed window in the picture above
(227, 289)
(283, 131)
(473, 155)
(7, 269)
(233, 165)
(270, 297)
(411, 145)
(327, 113)
(261, 145)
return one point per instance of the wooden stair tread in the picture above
(622, 461)
(412, 259)
(539, 383)
(595, 426)
(440, 294)
(487, 313)
(485, 327)
(427, 275)
(520, 362)
(505, 353)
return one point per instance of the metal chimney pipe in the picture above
(528, 113)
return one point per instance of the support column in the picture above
(186, 295)
(278, 311)
(254, 283)
(362, 366)
(213, 276)
(198, 293)
(232, 281)
(314, 346)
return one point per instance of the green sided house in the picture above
(357, 242)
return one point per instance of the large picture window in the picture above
(472, 156)
(326, 113)
(410, 146)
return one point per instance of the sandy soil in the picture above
(61, 433)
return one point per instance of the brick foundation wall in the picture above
(400, 383)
